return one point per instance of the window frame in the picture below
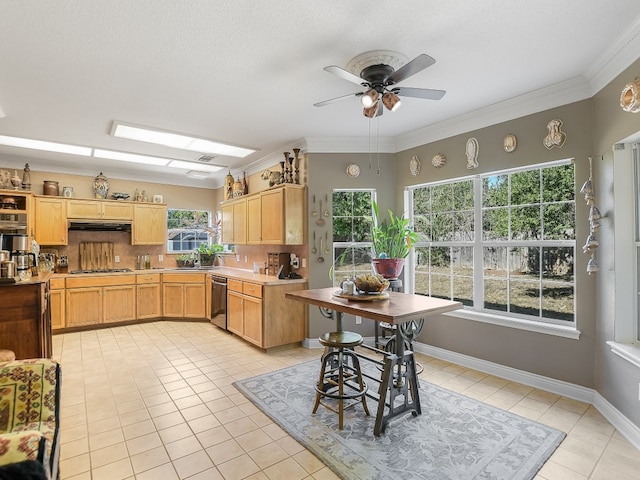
(350, 244)
(477, 310)
(197, 243)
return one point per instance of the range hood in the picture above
(100, 225)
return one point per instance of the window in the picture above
(500, 243)
(352, 217)
(188, 229)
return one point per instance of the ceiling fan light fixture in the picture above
(391, 101)
(369, 98)
(371, 111)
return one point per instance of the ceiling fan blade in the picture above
(342, 73)
(426, 93)
(337, 99)
(414, 66)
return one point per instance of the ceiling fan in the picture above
(379, 72)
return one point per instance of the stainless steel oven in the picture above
(219, 301)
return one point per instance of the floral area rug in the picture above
(456, 437)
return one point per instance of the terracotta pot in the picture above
(389, 268)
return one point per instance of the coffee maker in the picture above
(25, 259)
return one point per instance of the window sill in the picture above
(628, 351)
(545, 328)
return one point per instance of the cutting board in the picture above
(96, 255)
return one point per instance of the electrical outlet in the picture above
(161, 258)
(304, 263)
(116, 259)
(358, 319)
(245, 259)
(238, 258)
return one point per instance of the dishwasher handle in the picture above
(219, 281)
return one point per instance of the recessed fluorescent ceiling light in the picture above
(48, 146)
(198, 166)
(197, 174)
(131, 157)
(177, 140)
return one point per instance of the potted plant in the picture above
(185, 260)
(392, 239)
(207, 253)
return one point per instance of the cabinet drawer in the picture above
(234, 285)
(252, 289)
(147, 278)
(183, 277)
(103, 281)
(56, 283)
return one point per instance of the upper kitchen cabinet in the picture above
(149, 224)
(51, 221)
(234, 222)
(16, 212)
(99, 209)
(282, 218)
(272, 217)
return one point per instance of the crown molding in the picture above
(351, 144)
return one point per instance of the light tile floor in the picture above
(156, 401)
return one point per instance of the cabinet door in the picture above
(240, 222)
(117, 211)
(51, 221)
(119, 303)
(83, 209)
(172, 300)
(149, 301)
(235, 313)
(253, 320)
(194, 301)
(84, 306)
(150, 225)
(254, 220)
(227, 224)
(57, 305)
(272, 220)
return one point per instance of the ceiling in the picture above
(248, 73)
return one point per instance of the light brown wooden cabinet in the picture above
(244, 310)
(51, 224)
(263, 316)
(149, 225)
(57, 303)
(272, 217)
(234, 222)
(148, 296)
(183, 295)
(96, 300)
(19, 218)
(99, 209)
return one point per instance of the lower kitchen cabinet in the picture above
(96, 300)
(148, 296)
(263, 316)
(183, 295)
(57, 303)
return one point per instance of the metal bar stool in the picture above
(338, 380)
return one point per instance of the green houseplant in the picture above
(392, 239)
(207, 253)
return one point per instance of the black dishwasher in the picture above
(219, 301)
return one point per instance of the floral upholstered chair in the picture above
(29, 413)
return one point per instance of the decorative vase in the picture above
(245, 185)
(389, 268)
(100, 186)
(50, 187)
(16, 181)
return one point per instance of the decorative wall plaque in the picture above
(414, 166)
(555, 137)
(471, 151)
(439, 160)
(509, 143)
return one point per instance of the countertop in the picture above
(227, 272)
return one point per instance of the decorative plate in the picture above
(509, 143)
(353, 170)
(120, 195)
(414, 166)
(439, 160)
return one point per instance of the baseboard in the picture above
(587, 395)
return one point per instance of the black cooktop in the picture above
(109, 270)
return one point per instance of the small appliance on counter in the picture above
(277, 260)
(25, 259)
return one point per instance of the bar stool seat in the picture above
(338, 380)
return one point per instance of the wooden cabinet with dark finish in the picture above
(25, 319)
